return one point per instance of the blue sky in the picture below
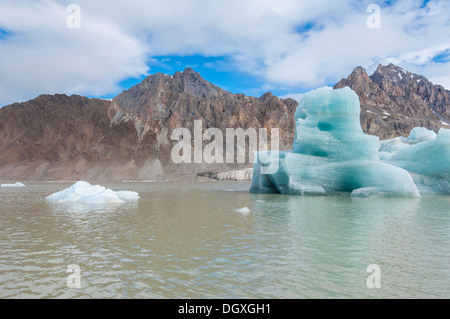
(287, 47)
(213, 69)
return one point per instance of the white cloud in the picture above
(294, 96)
(441, 80)
(44, 56)
(333, 52)
(118, 38)
(421, 57)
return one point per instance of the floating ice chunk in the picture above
(385, 156)
(428, 162)
(18, 184)
(425, 155)
(83, 192)
(127, 196)
(306, 188)
(331, 154)
(418, 135)
(244, 210)
(392, 146)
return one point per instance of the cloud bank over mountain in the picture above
(289, 44)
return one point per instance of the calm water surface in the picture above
(185, 240)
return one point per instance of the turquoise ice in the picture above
(426, 156)
(332, 155)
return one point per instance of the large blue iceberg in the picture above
(332, 155)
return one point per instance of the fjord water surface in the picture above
(186, 240)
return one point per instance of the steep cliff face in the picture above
(393, 101)
(162, 103)
(70, 138)
(56, 137)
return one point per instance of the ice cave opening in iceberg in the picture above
(332, 155)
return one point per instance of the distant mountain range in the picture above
(60, 137)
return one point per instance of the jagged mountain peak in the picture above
(157, 88)
(391, 72)
(358, 75)
(359, 70)
(394, 100)
(190, 72)
(395, 74)
(266, 96)
(60, 137)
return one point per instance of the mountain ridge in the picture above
(64, 137)
(394, 101)
(60, 137)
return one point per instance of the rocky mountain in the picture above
(59, 137)
(56, 137)
(393, 101)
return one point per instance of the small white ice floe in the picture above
(243, 210)
(13, 185)
(83, 192)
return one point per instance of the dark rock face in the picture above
(164, 102)
(56, 137)
(71, 138)
(393, 101)
(59, 137)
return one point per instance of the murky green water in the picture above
(185, 240)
